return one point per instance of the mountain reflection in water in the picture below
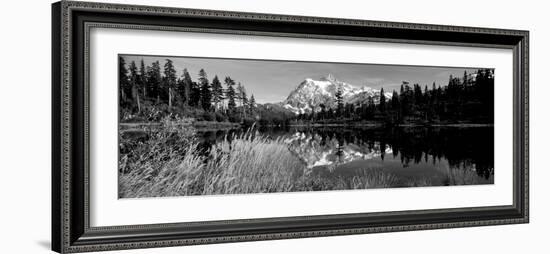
(428, 153)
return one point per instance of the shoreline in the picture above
(198, 125)
(213, 125)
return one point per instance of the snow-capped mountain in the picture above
(310, 94)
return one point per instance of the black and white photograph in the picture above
(246, 127)
(213, 126)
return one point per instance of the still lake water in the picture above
(434, 156)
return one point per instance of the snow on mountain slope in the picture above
(310, 94)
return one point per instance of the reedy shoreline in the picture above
(170, 163)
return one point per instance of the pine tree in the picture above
(187, 91)
(418, 97)
(143, 79)
(382, 100)
(426, 94)
(170, 79)
(433, 96)
(217, 92)
(339, 101)
(245, 105)
(134, 83)
(241, 96)
(394, 100)
(195, 94)
(154, 80)
(405, 99)
(206, 94)
(395, 106)
(123, 81)
(230, 95)
(252, 104)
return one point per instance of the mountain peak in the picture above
(311, 93)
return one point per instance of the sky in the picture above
(272, 81)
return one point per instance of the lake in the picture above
(413, 156)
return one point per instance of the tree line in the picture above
(466, 99)
(151, 92)
(148, 93)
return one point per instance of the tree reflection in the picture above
(461, 147)
(471, 147)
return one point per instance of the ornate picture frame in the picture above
(71, 24)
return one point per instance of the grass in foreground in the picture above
(170, 164)
(247, 164)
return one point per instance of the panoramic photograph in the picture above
(214, 126)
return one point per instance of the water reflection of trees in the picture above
(461, 147)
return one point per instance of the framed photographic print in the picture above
(181, 126)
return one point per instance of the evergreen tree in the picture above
(370, 108)
(394, 100)
(195, 94)
(134, 83)
(143, 79)
(246, 106)
(206, 94)
(154, 80)
(395, 106)
(230, 95)
(252, 104)
(203, 78)
(241, 97)
(339, 100)
(217, 92)
(191, 91)
(405, 99)
(179, 92)
(382, 103)
(185, 88)
(170, 79)
(418, 94)
(123, 81)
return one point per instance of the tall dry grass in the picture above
(247, 163)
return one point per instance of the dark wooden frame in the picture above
(71, 22)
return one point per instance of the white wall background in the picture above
(25, 125)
